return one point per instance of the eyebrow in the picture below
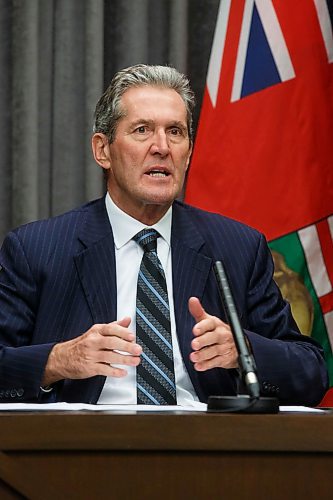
(176, 123)
(142, 121)
(179, 124)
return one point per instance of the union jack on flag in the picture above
(264, 150)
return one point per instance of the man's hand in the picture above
(94, 353)
(213, 344)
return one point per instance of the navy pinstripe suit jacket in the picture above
(57, 278)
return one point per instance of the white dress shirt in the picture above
(128, 259)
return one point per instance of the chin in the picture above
(160, 198)
(162, 201)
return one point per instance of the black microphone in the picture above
(246, 361)
(251, 403)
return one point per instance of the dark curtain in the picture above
(56, 57)
(174, 32)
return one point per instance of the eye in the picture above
(142, 129)
(176, 131)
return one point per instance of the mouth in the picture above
(158, 172)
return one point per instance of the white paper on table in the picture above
(194, 406)
(301, 409)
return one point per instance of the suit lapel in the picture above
(96, 264)
(190, 270)
(190, 267)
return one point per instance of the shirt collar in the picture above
(124, 226)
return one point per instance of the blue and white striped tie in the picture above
(155, 374)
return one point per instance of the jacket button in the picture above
(13, 393)
(20, 392)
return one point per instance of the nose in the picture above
(160, 143)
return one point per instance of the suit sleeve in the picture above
(290, 365)
(21, 362)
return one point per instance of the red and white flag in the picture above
(264, 147)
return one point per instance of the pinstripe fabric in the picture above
(58, 278)
(155, 374)
(50, 291)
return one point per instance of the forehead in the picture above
(152, 102)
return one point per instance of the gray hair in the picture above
(109, 110)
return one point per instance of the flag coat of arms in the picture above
(264, 147)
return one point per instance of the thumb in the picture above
(196, 309)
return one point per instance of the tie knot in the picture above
(147, 239)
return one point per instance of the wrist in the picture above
(52, 372)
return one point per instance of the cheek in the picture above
(133, 160)
(183, 156)
(126, 166)
(183, 161)
(124, 153)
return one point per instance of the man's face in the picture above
(150, 153)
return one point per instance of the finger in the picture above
(113, 343)
(116, 328)
(218, 334)
(116, 372)
(227, 361)
(203, 354)
(116, 358)
(211, 352)
(126, 321)
(111, 371)
(205, 326)
(202, 339)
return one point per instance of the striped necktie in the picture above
(155, 374)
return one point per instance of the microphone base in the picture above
(242, 404)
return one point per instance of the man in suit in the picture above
(68, 285)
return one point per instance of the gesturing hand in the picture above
(213, 344)
(94, 353)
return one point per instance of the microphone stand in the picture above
(245, 403)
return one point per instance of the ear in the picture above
(189, 155)
(101, 150)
